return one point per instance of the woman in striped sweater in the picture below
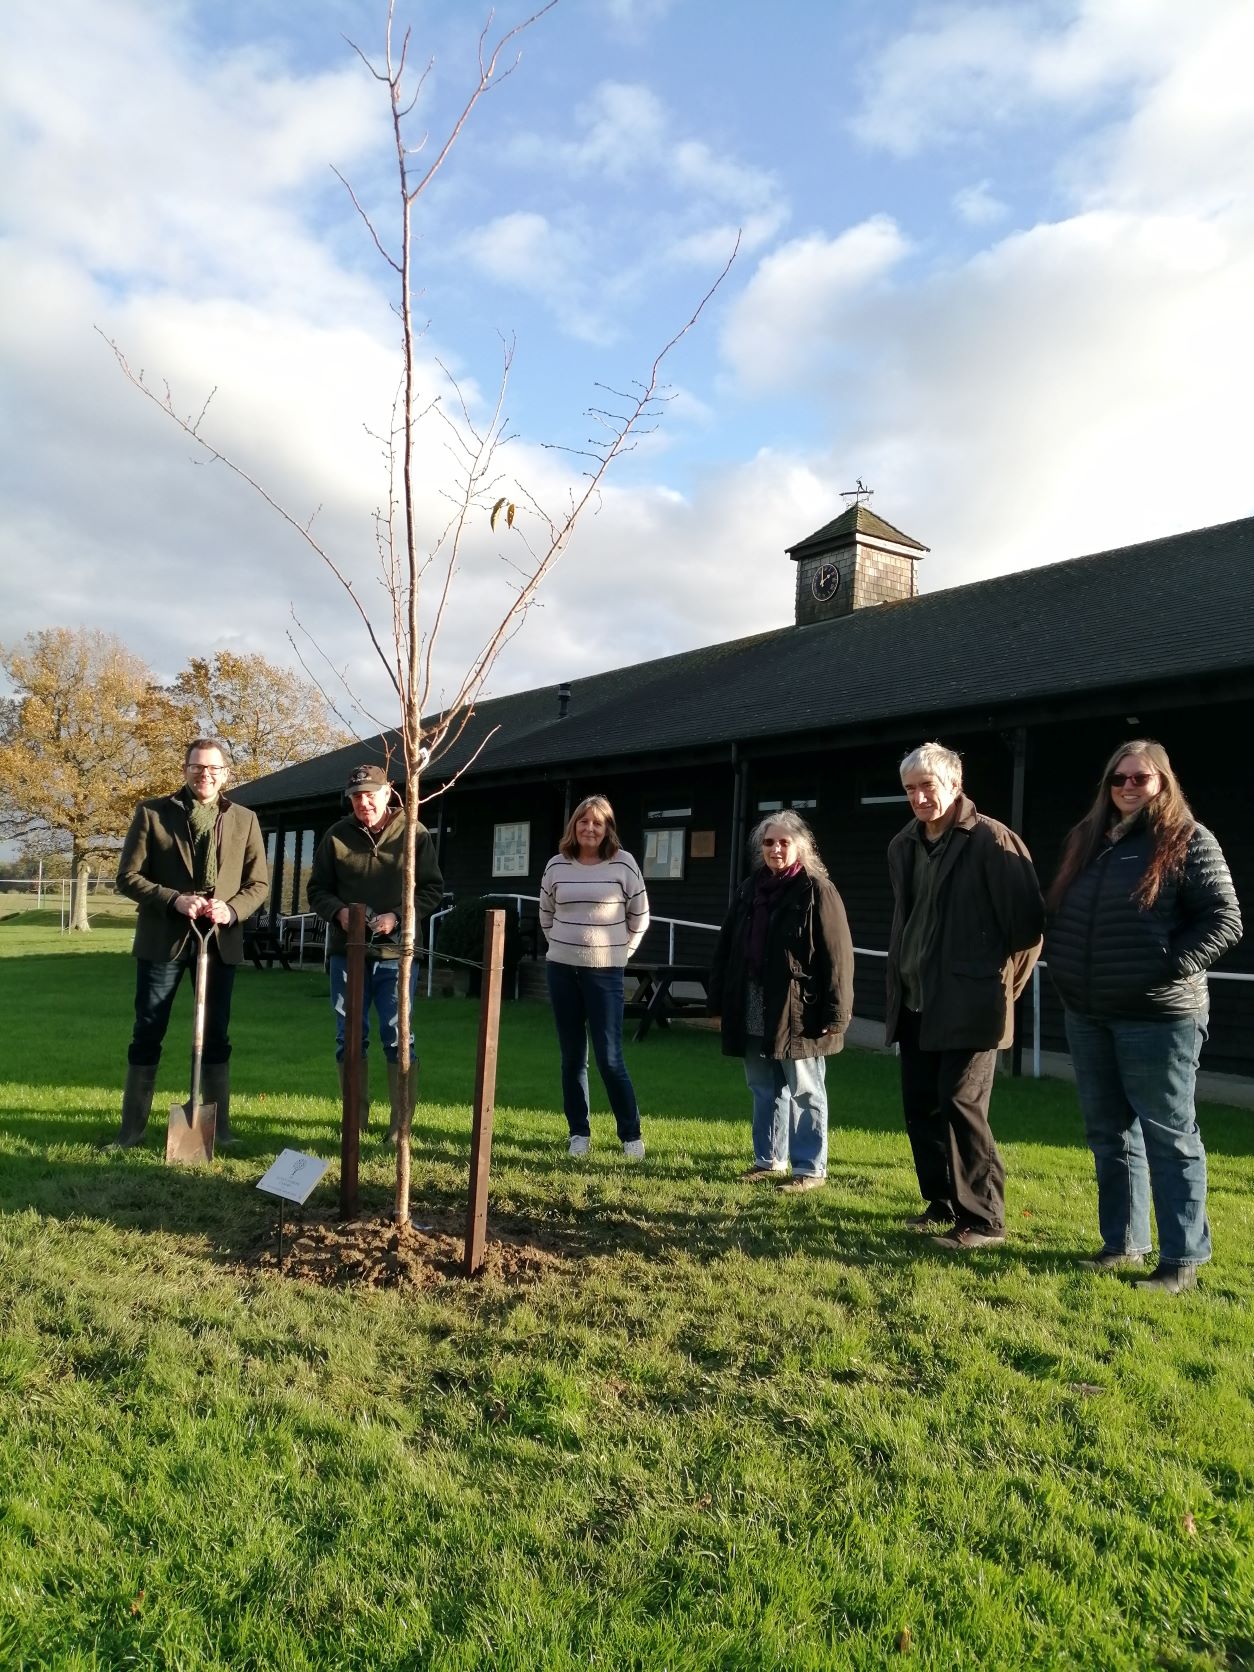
(594, 912)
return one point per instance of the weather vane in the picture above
(858, 495)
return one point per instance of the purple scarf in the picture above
(767, 888)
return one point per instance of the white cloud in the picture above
(701, 570)
(1079, 386)
(795, 310)
(633, 17)
(1081, 383)
(965, 69)
(527, 249)
(1189, 143)
(675, 200)
(624, 129)
(187, 184)
(978, 205)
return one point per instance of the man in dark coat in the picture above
(360, 861)
(193, 854)
(967, 923)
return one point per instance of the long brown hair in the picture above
(610, 844)
(1170, 820)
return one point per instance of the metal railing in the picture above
(435, 917)
(674, 923)
(1042, 964)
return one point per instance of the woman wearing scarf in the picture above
(1140, 909)
(782, 982)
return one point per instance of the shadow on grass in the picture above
(577, 1216)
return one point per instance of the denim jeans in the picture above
(789, 1110)
(589, 1004)
(1135, 1082)
(155, 987)
(382, 990)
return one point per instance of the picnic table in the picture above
(654, 998)
(263, 943)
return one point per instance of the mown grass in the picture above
(734, 1430)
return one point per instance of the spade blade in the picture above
(190, 1133)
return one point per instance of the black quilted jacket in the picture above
(1110, 958)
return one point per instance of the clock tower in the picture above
(854, 562)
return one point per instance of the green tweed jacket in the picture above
(156, 865)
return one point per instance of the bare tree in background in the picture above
(419, 565)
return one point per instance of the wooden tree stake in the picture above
(350, 1120)
(485, 1089)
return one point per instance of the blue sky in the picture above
(995, 259)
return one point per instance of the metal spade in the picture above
(190, 1133)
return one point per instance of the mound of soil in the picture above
(375, 1252)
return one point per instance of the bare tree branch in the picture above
(471, 442)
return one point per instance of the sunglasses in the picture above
(1138, 780)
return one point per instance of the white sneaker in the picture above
(633, 1149)
(579, 1146)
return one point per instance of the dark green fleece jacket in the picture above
(354, 865)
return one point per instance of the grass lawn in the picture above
(731, 1429)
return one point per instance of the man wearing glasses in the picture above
(193, 854)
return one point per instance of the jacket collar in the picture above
(183, 798)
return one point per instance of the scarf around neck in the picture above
(768, 888)
(203, 818)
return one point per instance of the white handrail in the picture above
(861, 951)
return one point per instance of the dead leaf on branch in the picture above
(510, 509)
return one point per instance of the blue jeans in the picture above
(789, 1110)
(155, 987)
(381, 989)
(589, 1003)
(1135, 1082)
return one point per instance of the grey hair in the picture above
(936, 759)
(791, 824)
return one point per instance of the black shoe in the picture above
(1170, 1280)
(966, 1237)
(935, 1217)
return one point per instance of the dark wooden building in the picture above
(1033, 677)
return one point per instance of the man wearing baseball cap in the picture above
(360, 861)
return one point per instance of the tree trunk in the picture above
(78, 894)
(409, 890)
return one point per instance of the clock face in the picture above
(825, 582)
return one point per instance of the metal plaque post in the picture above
(485, 1089)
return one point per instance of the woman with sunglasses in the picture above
(782, 982)
(1142, 906)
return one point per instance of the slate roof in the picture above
(1174, 609)
(857, 519)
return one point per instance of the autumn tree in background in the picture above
(89, 732)
(265, 715)
(84, 736)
